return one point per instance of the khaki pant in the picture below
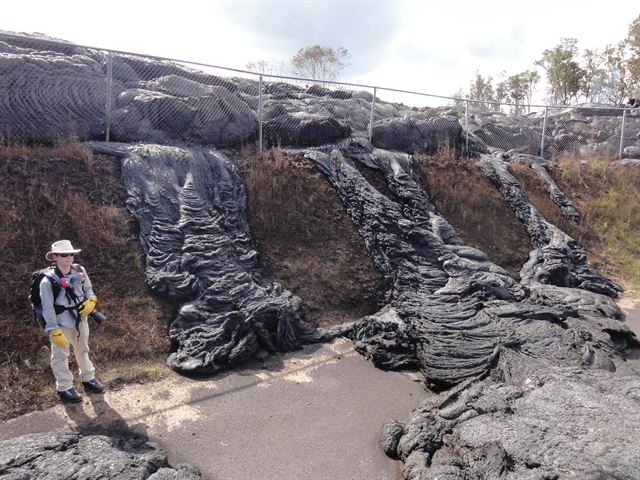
(60, 357)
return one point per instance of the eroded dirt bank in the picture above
(425, 265)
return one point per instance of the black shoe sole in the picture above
(70, 400)
(92, 389)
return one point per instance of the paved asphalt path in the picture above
(309, 415)
(314, 414)
(632, 310)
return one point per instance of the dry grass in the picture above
(608, 195)
(540, 198)
(475, 209)
(608, 198)
(278, 198)
(61, 150)
(306, 240)
(66, 192)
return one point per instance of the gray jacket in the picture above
(81, 287)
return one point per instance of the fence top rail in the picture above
(121, 52)
(302, 79)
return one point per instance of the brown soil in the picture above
(376, 180)
(475, 209)
(306, 240)
(539, 197)
(608, 196)
(65, 192)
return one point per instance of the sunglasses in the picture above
(65, 255)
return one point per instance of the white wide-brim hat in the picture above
(61, 246)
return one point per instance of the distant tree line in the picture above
(316, 62)
(610, 75)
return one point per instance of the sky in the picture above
(426, 46)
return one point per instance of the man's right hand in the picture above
(58, 339)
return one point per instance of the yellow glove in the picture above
(87, 306)
(57, 338)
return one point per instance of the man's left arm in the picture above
(89, 297)
(87, 287)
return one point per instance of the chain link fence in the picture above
(550, 131)
(52, 91)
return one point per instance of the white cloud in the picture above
(428, 46)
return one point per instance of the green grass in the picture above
(118, 374)
(608, 195)
(615, 217)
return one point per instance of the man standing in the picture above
(66, 319)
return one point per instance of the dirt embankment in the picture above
(306, 242)
(476, 210)
(305, 239)
(65, 192)
(608, 198)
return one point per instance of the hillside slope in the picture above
(306, 242)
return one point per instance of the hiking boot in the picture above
(70, 396)
(93, 386)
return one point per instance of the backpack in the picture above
(34, 292)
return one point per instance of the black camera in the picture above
(99, 317)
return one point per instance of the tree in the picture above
(458, 98)
(621, 67)
(618, 83)
(270, 68)
(564, 74)
(594, 80)
(320, 63)
(530, 79)
(502, 91)
(633, 43)
(260, 66)
(482, 89)
(517, 89)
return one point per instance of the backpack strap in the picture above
(54, 275)
(71, 296)
(51, 275)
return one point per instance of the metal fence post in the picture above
(107, 122)
(544, 130)
(466, 128)
(373, 103)
(260, 116)
(624, 118)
